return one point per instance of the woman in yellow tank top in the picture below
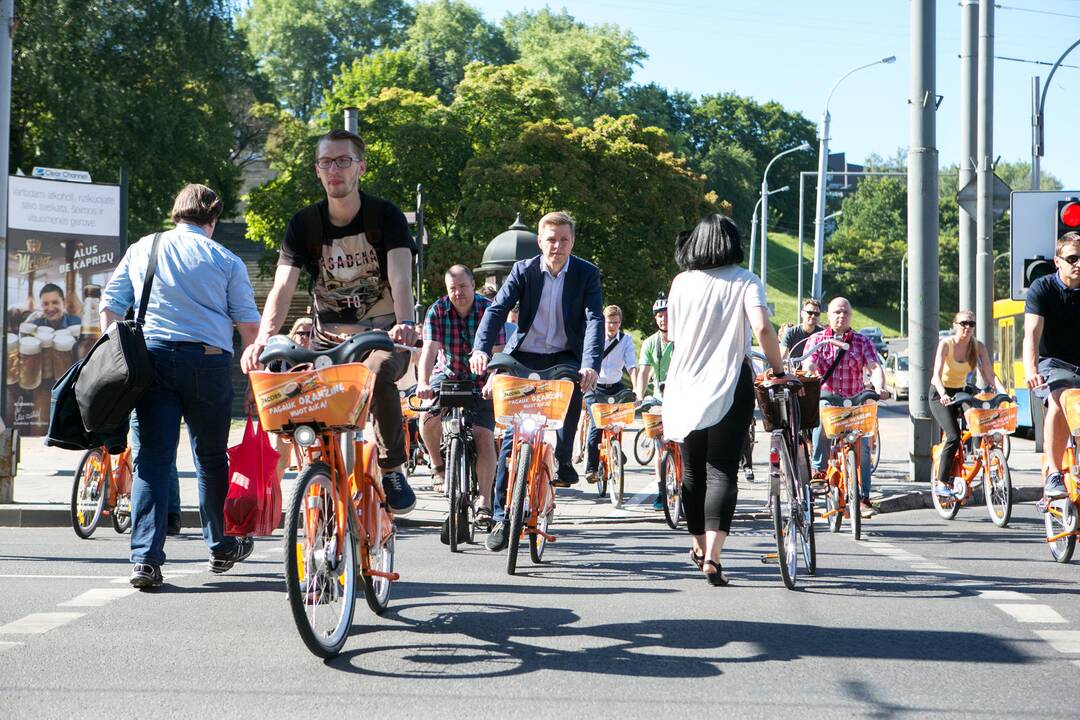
(957, 356)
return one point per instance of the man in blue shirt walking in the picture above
(200, 290)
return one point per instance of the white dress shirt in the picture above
(547, 335)
(619, 359)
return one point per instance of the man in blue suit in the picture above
(560, 321)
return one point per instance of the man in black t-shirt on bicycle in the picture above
(1052, 349)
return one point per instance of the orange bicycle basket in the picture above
(1070, 401)
(512, 396)
(839, 420)
(983, 421)
(406, 409)
(607, 414)
(336, 397)
(654, 425)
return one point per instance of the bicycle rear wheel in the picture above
(615, 458)
(517, 507)
(88, 493)
(321, 586)
(670, 490)
(997, 489)
(875, 447)
(852, 473)
(1061, 517)
(644, 448)
(805, 500)
(785, 522)
(121, 514)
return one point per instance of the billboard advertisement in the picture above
(63, 245)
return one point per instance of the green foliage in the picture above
(658, 107)
(448, 35)
(863, 256)
(494, 103)
(368, 76)
(587, 65)
(98, 85)
(301, 44)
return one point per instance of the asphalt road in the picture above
(924, 618)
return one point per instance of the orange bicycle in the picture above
(980, 459)
(102, 487)
(612, 417)
(669, 466)
(529, 403)
(338, 510)
(415, 452)
(845, 425)
(1062, 515)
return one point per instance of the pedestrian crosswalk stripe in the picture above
(8, 645)
(1031, 613)
(38, 623)
(1064, 641)
(97, 597)
(928, 566)
(1003, 595)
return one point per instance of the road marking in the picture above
(1064, 641)
(1003, 595)
(38, 623)
(97, 597)
(7, 645)
(932, 566)
(184, 571)
(64, 577)
(1031, 613)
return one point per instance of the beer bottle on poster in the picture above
(91, 318)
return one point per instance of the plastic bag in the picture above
(253, 504)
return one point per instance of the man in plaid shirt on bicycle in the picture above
(847, 379)
(449, 330)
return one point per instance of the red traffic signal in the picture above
(1068, 216)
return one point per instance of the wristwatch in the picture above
(407, 322)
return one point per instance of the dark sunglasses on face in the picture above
(812, 313)
(966, 323)
(1072, 259)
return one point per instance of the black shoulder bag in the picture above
(117, 371)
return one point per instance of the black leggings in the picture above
(949, 420)
(711, 463)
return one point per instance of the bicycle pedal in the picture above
(770, 558)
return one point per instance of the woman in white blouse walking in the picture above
(709, 397)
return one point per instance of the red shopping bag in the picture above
(253, 505)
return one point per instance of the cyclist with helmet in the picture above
(653, 364)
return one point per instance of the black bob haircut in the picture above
(715, 242)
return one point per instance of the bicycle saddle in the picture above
(649, 403)
(281, 348)
(858, 399)
(501, 362)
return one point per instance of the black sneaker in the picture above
(223, 562)
(496, 539)
(566, 476)
(173, 527)
(462, 530)
(144, 576)
(399, 496)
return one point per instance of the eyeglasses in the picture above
(1072, 259)
(342, 163)
(812, 313)
(966, 323)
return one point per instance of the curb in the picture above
(921, 499)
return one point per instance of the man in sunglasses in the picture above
(1052, 349)
(358, 252)
(793, 339)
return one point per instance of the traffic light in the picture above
(1035, 268)
(1068, 216)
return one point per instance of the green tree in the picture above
(139, 83)
(448, 35)
(658, 107)
(301, 44)
(368, 76)
(588, 65)
(494, 103)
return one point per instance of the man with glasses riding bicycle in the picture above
(1052, 349)
(842, 372)
(449, 332)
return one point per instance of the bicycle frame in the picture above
(835, 473)
(540, 499)
(609, 435)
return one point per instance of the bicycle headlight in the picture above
(453, 425)
(304, 436)
(528, 425)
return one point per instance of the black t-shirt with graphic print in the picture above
(351, 283)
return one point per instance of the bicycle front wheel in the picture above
(942, 495)
(997, 488)
(615, 457)
(121, 514)
(785, 523)
(517, 507)
(644, 448)
(851, 473)
(670, 490)
(320, 565)
(875, 447)
(89, 492)
(455, 478)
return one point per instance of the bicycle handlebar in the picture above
(857, 399)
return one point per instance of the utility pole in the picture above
(969, 82)
(922, 233)
(1036, 127)
(984, 214)
(8, 450)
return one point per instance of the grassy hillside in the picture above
(783, 285)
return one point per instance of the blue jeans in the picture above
(174, 477)
(820, 458)
(197, 387)
(564, 447)
(600, 394)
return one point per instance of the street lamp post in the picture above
(754, 224)
(765, 208)
(823, 162)
(1037, 120)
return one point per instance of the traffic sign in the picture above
(1034, 221)
(968, 197)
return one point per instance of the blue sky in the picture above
(792, 51)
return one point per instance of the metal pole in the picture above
(922, 233)
(819, 209)
(753, 235)
(984, 215)
(969, 81)
(352, 118)
(1040, 109)
(419, 252)
(799, 290)
(7, 20)
(764, 226)
(903, 262)
(1036, 133)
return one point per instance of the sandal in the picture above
(438, 482)
(716, 579)
(483, 519)
(698, 560)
